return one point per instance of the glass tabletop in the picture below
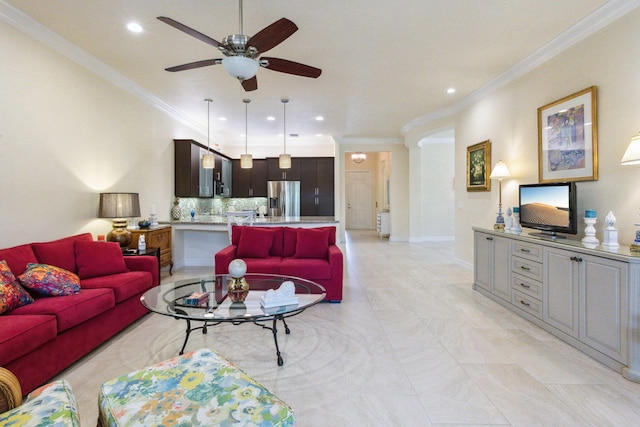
(205, 298)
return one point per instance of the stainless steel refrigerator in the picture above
(283, 198)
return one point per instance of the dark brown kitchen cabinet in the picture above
(249, 182)
(277, 174)
(317, 193)
(191, 180)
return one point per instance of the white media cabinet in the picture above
(588, 297)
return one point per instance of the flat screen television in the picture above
(551, 208)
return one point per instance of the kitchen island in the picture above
(195, 241)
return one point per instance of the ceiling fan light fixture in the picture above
(240, 67)
(358, 157)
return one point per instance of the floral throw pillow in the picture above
(11, 294)
(49, 280)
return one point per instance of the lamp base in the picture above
(120, 234)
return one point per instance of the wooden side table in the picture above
(149, 252)
(156, 237)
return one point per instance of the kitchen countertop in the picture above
(222, 220)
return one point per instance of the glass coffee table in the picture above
(211, 305)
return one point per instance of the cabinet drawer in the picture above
(523, 284)
(526, 303)
(530, 269)
(160, 239)
(527, 250)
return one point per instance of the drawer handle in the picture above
(576, 259)
(489, 238)
(525, 250)
(525, 268)
(526, 304)
(525, 286)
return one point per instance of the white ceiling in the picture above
(385, 63)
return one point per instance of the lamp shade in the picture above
(119, 205)
(632, 155)
(240, 67)
(246, 161)
(284, 161)
(208, 161)
(500, 171)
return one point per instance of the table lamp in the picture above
(119, 206)
(499, 171)
(631, 157)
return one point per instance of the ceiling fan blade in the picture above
(192, 65)
(290, 67)
(193, 33)
(271, 36)
(250, 84)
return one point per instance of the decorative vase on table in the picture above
(176, 212)
(238, 288)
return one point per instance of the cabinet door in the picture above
(187, 173)
(483, 260)
(259, 178)
(226, 182)
(206, 185)
(501, 283)
(274, 173)
(603, 293)
(325, 184)
(241, 179)
(308, 178)
(560, 290)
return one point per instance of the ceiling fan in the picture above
(242, 53)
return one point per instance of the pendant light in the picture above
(246, 161)
(208, 159)
(284, 161)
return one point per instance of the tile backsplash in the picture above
(218, 206)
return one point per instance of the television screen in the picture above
(549, 207)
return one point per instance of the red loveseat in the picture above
(40, 339)
(309, 253)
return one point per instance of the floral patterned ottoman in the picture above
(52, 404)
(199, 388)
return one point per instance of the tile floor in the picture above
(411, 345)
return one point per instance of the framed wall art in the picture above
(478, 164)
(568, 138)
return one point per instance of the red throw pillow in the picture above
(59, 253)
(255, 242)
(312, 243)
(96, 259)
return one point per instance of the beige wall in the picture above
(65, 136)
(610, 59)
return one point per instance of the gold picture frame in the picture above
(478, 164)
(568, 138)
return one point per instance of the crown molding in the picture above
(590, 24)
(53, 40)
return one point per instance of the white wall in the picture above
(610, 59)
(438, 196)
(65, 136)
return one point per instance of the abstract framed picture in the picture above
(478, 163)
(568, 138)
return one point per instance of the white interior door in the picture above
(359, 200)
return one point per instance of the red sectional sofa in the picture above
(309, 253)
(40, 339)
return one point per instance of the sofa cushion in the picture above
(20, 335)
(49, 280)
(269, 265)
(290, 238)
(312, 243)
(99, 259)
(124, 285)
(18, 257)
(73, 309)
(310, 268)
(60, 253)
(255, 242)
(11, 293)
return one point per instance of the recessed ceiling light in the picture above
(222, 119)
(451, 90)
(134, 27)
(271, 118)
(319, 118)
(318, 135)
